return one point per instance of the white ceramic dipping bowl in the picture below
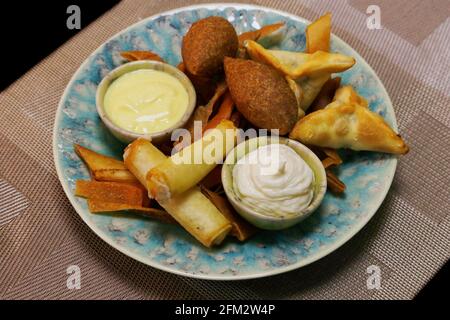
(273, 222)
(127, 136)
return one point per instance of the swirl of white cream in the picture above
(274, 180)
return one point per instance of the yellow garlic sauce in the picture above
(146, 101)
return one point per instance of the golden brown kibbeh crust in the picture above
(206, 44)
(261, 94)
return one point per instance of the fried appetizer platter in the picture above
(241, 82)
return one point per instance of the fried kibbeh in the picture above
(261, 94)
(206, 44)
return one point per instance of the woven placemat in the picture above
(408, 239)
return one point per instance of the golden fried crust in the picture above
(206, 44)
(348, 126)
(261, 94)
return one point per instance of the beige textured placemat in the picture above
(408, 239)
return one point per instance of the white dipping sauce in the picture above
(274, 180)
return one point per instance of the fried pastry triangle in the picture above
(348, 95)
(348, 126)
(299, 64)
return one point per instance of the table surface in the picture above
(41, 235)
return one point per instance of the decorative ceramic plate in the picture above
(368, 176)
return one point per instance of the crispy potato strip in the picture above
(240, 228)
(213, 179)
(181, 67)
(140, 55)
(318, 34)
(223, 113)
(202, 114)
(104, 168)
(329, 162)
(117, 192)
(236, 118)
(330, 158)
(318, 40)
(268, 32)
(333, 182)
(255, 35)
(98, 206)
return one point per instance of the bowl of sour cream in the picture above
(145, 99)
(273, 182)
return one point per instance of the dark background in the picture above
(31, 30)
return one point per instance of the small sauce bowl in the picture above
(127, 136)
(251, 215)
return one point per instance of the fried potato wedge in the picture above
(116, 192)
(104, 168)
(98, 206)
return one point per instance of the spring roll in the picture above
(188, 167)
(192, 210)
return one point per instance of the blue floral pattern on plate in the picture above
(368, 176)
